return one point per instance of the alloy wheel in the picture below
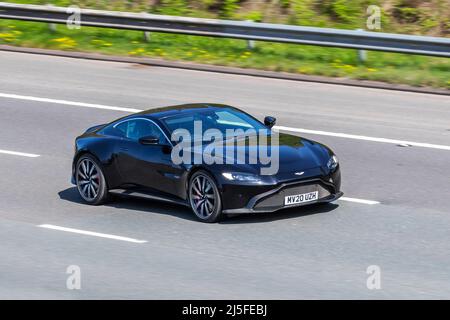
(202, 195)
(88, 179)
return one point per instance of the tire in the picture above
(90, 180)
(204, 197)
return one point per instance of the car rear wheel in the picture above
(91, 183)
(204, 197)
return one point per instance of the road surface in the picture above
(401, 224)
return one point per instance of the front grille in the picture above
(277, 199)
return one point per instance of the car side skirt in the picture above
(149, 195)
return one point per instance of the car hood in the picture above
(296, 154)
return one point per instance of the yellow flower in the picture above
(139, 51)
(348, 68)
(65, 43)
(8, 37)
(100, 43)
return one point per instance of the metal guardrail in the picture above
(431, 46)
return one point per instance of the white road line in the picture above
(366, 138)
(90, 233)
(65, 102)
(300, 130)
(358, 200)
(22, 154)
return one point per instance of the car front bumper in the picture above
(273, 200)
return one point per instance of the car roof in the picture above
(159, 113)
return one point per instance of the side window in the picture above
(136, 129)
(122, 129)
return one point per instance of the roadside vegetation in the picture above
(399, 16)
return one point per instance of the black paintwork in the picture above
(148, 168)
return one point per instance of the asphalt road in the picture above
(311, 252)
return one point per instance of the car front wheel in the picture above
(204, 197)
(91, 183)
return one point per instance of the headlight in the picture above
(241, 177)
(332, 163)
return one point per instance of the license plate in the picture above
(301, 198)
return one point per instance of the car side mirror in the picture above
(269, 121)
(149, 140)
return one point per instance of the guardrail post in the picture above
(362, 54)
(51, 26)
(250, 43)
(147, 36)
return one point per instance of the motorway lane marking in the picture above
(370, 202)
(66, 102)
(366, 138)
(22, 154)
(300, 130)
(90, 233)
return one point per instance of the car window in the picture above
(226, 117)
(137, 128)
(221, 119)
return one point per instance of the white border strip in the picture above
(90, 233)
(363, 201)
(22, 154)
(366, 138)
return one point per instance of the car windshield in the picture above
(228, 121)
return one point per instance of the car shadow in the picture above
(159, 207)
(133, 203)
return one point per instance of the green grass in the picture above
(399, 16)
(388, 67)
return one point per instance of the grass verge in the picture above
(334, 62)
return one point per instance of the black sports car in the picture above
(139, 155)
